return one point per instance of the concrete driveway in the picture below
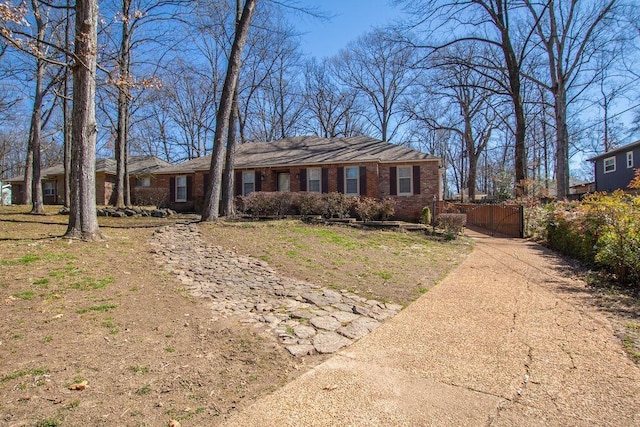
(507, 339)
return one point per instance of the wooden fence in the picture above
(496, 219)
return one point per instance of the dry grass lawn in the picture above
(105, 314)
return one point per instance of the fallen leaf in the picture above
(79, 386)
(174, 423)
(330, 387)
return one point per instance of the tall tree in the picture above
(381, 69)
(211, 206)
(331, 107)
(495, 24)
(572, 34)
(83, 220)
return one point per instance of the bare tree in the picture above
(83, 220)
(211, 207)
(381, 70)
(571, 34)
(466, 106)
(494, 23)
(331, 106)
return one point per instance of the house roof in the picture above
(138, 165)
(308, 151)
(615, 151)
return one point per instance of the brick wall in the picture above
(409, 208)
(378, 175)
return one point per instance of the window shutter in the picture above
(258, 181)
(172, 189)
(416, 179)
(205, 183)
(303, 179)
(340, 180)
(325, 180)
(393, 181)
(189, 187)
(363, 180)
(238, 183)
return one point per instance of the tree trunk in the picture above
(227, 176)
(122, 84)
(513, 72)
(562, 143)
(65, 113)
(36, 118)
(27, 196)
(211, 206)
(83, 220)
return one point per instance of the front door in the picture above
(284, 182)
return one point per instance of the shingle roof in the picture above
(615, 150)
(308, 151)
(138, 165)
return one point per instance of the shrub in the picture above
(309, 203)
(603, 230)
(387, 208)
(337, 205)
(453, 223)
(150, 196)
(276, 204)
(366, 208)
(425, 217)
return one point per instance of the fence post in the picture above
(521, 222)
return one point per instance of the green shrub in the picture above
(425, 217)
(603, 230)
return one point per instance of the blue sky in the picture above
(351, 18)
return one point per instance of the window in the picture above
(284, 182)
(49, 188)
(609, 164)
(629, 159)
(404, 180)
(181, 188)
(143, 182)
(248, 182)
(352, 178)
(314, 177)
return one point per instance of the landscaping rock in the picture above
(329, 342)
(303, 316)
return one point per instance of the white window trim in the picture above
(357, 193)
(253, 174)
(179, 186)
(629, 159)
(319, 180)
(604, 163)
(410, 193)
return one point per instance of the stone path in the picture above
(306, 318)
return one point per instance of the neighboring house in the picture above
(615, 168)
(141, 169)
(358, 166)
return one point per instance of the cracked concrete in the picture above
(507, 339)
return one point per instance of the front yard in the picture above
(107, 314)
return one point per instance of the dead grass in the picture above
(107, 313)
(385, 265)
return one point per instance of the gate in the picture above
(501, 219)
